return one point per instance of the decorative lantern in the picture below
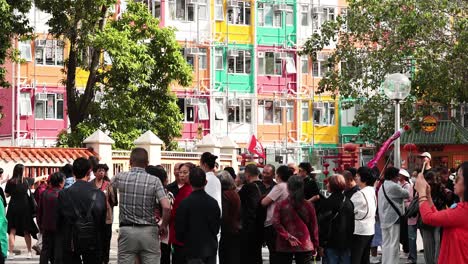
(326, 164)
(325, 172)
(410, 147)
(350, 147)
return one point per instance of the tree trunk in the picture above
(72, 103)
(88, 95)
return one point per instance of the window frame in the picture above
(275, 118)
(304, 14)
(202, 59)
(186, 18)
(202, 111)
(290, 111)
(25, 50)
(246, 56)
(242, 112)
(305, 63)
(186, 110)
(56, 46)
(235, 17)
(305, 105)
(218, 16)
(57, 97)
(219, 53)
(25, 100)
(275, 21)
(324, 109)
(264, 63)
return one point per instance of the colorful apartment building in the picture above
(249, 78)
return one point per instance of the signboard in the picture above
(429, 124)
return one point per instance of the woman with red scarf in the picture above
(178, 256)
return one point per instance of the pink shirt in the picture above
(277, 194)
(454, 246)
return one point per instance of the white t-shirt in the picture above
(365, 206)
(277, 194)
(213, 188)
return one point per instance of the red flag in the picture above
(256, 147)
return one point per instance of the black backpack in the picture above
(84, 233)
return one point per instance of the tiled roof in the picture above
(43, 155)
(447, 132)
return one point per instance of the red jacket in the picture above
(454, 246)
(183, 193)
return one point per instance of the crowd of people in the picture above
(209, 216)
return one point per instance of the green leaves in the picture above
(425, 39)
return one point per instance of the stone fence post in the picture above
(152, 144)
(102, 145)
(209, 144)
(228, 146)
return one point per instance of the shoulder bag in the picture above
(391, 202)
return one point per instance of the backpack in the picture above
(84, 231)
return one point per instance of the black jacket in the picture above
(80, 195)
(336, 233)
(197, 224)
(250, 196)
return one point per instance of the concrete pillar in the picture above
(102, 145)
(209, 143)
(152, 144)
(228, 146)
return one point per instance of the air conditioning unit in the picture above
(191, 101)
(281, 8)
(232, 3)
(281, 103)
(233, 53)
(261, 54)
(322, 56)
(40, 43)
(282, 55)
(60, 96)
(233, 102)
(41, 97)
(317, 10)
(191, 51)
(192, 2)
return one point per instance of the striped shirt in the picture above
(139, 196)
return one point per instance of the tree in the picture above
(133, 92)
(13, 23)
(425, 39)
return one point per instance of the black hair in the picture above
(296, 190)
(375, 172)
(464, 168)
(352, 170)
(102, 166)
(209, 159)
(391, 173)
(157, 171)
(231, 171)
(81, 167)
(366, 176)
(94, 162)
(67, 169)
(56, 179)
(283, 172)
(197, 177)
(139, 157)
(18, 171)
(1, 170)
(306, 166)
(273, 168)
(252, 170)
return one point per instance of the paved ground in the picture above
(21, 259)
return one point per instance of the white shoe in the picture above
(10, 256)
(375, 259)
(29, 255)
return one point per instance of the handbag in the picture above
(413, 208)
(32, 203)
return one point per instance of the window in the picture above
(219, 61)
(344, 15)
(347, 115)
(49, 52)
(239, 15)
(268, 112)
(324, 113)
(202, 61)
(290, 16)
(186, 108)
(267, 17)
(219, 10)
(305, 111)
(328, 14)
(203, 110)
(219, 109)
(241, 63)
(190, 58)
(320, 68)
(48, 106)
(183, 11)
(304, 15)
(271, 64)
(240, 112)
(25, 50)
(290, 111)
(202, 10)
(25, 104)
(290, 64)
(305, 64)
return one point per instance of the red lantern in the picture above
(325, 181)
(335, 169)
(349, 147)
(325, 172)
(347, 166)
(410, 147)
(326, 164)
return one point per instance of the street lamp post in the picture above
(397, 87)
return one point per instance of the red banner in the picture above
(256, 147)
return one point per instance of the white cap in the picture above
(426, 154)
(404, 173)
